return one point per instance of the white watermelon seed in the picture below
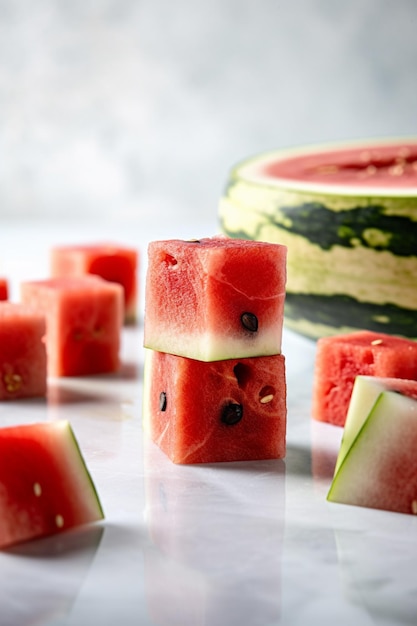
(37, 489)
(327, 169)
(376, 342)
(396, 170)
(414, 507)
(266, 394)
(59, 521)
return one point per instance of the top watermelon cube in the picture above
(215, 298)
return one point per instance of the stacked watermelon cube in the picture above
(214, 381)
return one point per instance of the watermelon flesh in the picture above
(113, 262)
(215, 298)
(340, 358)
(386, 166)
(380, 468)
(45, 487)
(206, 412)
(23, 365)
(84, 316)
(366, 390)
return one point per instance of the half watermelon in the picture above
(348, 215)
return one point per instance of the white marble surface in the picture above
(230, 544)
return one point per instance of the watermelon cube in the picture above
(340, 358)
(45, 487)
(379, 470)
(205, 412)
(112, 262)
(22, 352)
(215, 298)
(4, 289)
(84, 317)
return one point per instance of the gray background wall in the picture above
(140, 107)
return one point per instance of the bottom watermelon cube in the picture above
(207, 412)
(340, 358)
(45, 487)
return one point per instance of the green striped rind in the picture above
(374, 285)
(313, 315)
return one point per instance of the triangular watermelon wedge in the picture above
(365, 392)
(45, 487)
(379, 470)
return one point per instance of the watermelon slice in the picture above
(45, 487)
(380, 468)
(113, 262)
(215, 298)
(23, 366)
(205, 412)
(339, 359)
(84, 318)
(366, 390)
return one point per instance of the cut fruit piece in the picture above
(113, 262)
(366, 390)
(380, 468)
(45, 487)
(339, 359)
(215, 298)
(230, 410)
(22, 352)
(84, 317)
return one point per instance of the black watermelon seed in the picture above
(162, 401)
(249, 321)
(232, 414)
(192, 241)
